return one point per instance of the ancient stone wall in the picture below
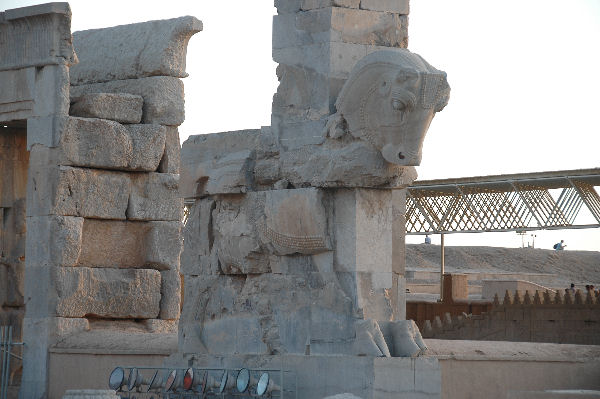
(98, 147)
(543, 317)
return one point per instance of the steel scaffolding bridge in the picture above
(517, 202)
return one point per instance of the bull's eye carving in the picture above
(397, 105)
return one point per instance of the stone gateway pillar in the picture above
(294, 244)
(98, 222)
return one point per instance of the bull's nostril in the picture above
(400, 156)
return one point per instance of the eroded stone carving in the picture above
(292, 246)
(373, 138)
(389, 101)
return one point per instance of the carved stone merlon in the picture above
(389, 101)
(154, 48)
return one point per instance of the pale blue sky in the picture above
(524, 76)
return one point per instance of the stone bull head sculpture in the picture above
(389, 101)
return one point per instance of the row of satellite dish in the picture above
(193, 380)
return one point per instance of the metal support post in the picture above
(442, 265)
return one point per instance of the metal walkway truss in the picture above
(504, 203)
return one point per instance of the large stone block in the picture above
(107, 293)
(133, 51)
(313, 4)
(211, 164)
(171, 159)
(148, 143)
(53, 240)
(125, 244)
(395, 6)
(303, 95)
(299, 135)
(91, 193)
(352, 26)
(119, 107)
(369, 27)
(105, 144)
(170, 291)
(95, 143)
(113, 243)
(356, 164)
(163, 245)
(154, 196)
(163, 96)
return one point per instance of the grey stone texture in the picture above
(83, 192)
(103, 194)
(154, 197)
(119, 107)
(170, 295)
(90, 394)
(296, 267)
(163, 96)
(47, 41)
(153, 48)
(294, 242)
(317, 43)
(127, 244)
(323, 376)
(103, 218)
(54, 240)
(109, 293)
(95, 143)
(171, 159)
(314, 4)
(148, 143)
(31, 92)
(395, 6)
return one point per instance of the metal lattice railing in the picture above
(503, 203)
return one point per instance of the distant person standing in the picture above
(559, 246)
(427, 239)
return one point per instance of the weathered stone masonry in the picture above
(98, 146)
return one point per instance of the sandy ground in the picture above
(580, 267)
